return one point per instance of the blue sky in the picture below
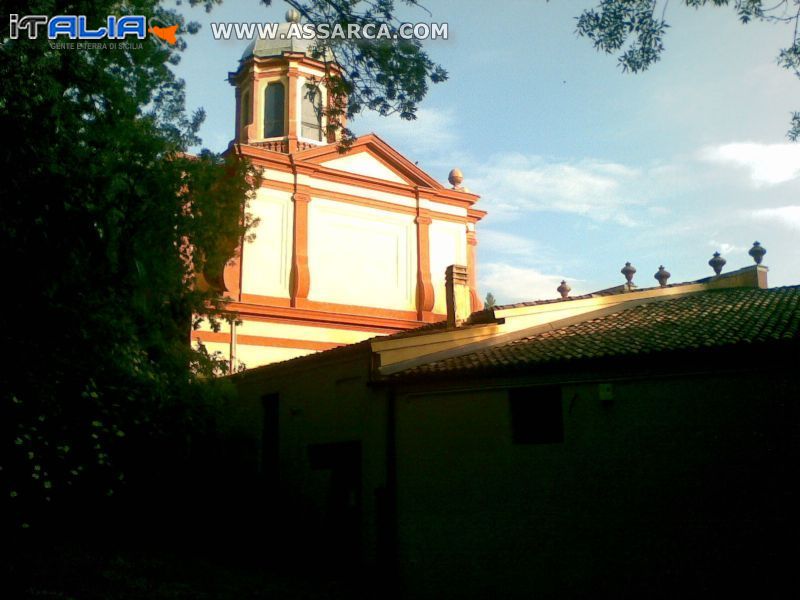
(580, 166)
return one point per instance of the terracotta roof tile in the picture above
(713, 318)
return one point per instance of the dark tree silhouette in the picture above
(105, 223)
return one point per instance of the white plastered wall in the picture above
(448, 247)
(301, 332)
(355, 190)
(254, 356)
(266, 261)
(361, 256)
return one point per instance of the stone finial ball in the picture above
(292, 15)
(455, 177)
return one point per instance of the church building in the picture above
(348, 245)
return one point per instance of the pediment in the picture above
(364, 163)
(370, 156)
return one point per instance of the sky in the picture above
(580, 166)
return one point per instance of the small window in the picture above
(536, 415)
(274, 110)
(311, 114)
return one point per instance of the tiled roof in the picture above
(713, 318)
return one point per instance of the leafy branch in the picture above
(635, 30)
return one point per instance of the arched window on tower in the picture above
(311, 114)
(274, 110)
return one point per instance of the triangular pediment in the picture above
(364, 163)
(370, 156)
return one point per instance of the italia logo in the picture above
(75, 27)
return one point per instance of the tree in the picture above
(105, 223)
(489, 302)
(635, 30)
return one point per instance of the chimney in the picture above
(458, 298)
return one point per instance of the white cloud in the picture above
(510, 284)
(600, 190)
(434, 130)
(769, 164)
(509, 244)
(725, 248)
(788, 216)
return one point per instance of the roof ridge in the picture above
(617, 290)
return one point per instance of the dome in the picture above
(267, 47)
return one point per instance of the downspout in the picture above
(232, 350)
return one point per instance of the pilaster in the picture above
(425, 293)
(472, 242)
(300, 279)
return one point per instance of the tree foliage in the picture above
(104, 220)
(635, 29)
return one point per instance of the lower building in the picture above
(634, 442)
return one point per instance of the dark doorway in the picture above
(341, 528)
